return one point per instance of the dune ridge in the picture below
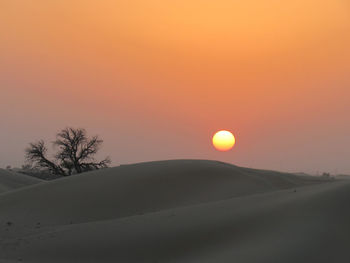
(10, 180)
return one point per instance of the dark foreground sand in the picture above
(178, 211)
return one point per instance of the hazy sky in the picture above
(156, 78)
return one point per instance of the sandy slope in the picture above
(137, 189)
(311, 225)
(11, 180)
(197, 220)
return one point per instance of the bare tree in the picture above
(75, 153)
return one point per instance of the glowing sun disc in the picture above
(223, 140)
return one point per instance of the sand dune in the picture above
(139, 188)
(11, 180)
(177, 211)
(308, 226)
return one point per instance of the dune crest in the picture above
(10, 180)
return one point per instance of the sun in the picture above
(223, 140)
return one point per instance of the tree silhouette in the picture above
(75, 153)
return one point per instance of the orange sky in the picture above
(156, 78)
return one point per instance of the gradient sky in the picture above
(155, 79)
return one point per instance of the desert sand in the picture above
(10, 180)
(177, 211)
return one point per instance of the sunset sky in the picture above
(157, 78)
